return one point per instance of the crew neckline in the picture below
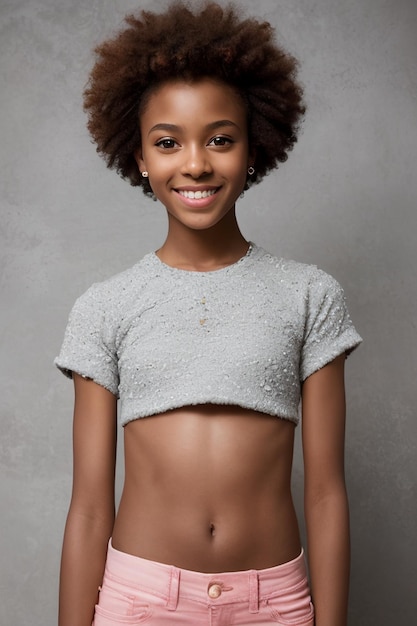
(248, 256)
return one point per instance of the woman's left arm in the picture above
(325, 498)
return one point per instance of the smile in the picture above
(197, 195)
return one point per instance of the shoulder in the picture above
(117, 289)
(303, 276)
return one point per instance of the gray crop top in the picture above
(247, 334)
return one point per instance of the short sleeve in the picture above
(329, 331)
(87, 348)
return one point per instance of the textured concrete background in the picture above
(346, 200)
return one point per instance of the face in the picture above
(195, 150)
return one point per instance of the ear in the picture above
(139, 159)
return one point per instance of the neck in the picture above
(203, 250)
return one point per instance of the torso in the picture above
(207, 488)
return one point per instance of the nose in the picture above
(196, 162)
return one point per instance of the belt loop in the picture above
(173, 591)
(253, 592)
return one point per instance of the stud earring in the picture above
(251, 171)
(145, 174)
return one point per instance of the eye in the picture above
(166, 143)
(220, 141)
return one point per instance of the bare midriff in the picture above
(207, 488)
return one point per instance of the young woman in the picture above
(210, 343)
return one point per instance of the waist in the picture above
(253, 536)
(170, 582)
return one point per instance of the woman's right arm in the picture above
(91, 514)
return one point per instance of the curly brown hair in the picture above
(182, 43)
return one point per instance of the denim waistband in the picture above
(169, 582)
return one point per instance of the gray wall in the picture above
(345, 201)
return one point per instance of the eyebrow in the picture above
(175, 128)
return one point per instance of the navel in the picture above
(212, 529)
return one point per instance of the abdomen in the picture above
(207, 488)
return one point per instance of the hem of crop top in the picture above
(212, 400)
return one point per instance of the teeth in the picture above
(197, 195)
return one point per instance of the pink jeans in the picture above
(138, 591)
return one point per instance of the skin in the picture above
(188, 500)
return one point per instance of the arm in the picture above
(91, 514)
(325, 498)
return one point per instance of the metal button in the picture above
(214, 590)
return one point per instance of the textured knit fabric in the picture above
(247, 334)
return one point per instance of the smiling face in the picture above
(195, 150)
